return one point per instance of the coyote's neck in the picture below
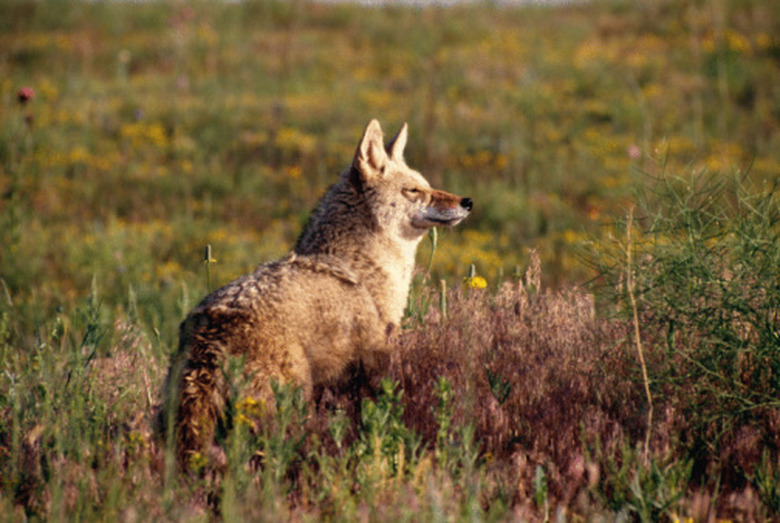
(344, 228)
(392, 275)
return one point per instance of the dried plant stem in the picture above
(637, 337)
(443, 299)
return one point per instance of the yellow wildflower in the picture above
(763, 41)
(293, 172)
(248, 407)
(242, 419)
(197, 461)
(737, 42)
(476, 282)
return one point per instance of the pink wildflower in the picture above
(25, 94)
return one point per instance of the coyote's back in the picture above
(330, 303)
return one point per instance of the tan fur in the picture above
(329, 304)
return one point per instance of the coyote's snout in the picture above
(328, 304)
(444, 209)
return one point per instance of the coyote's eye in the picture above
(413, 193)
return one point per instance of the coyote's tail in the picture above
(195, 397)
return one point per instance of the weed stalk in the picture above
(433, 236)
(443, 299)
(207, 261)
(637, 336)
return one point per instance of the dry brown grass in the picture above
(564, 375)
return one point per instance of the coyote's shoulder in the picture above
(330, 303)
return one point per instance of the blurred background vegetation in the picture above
(158, 128)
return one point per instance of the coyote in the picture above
(331, 303)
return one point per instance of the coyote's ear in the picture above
(397, 145)
(370, 158)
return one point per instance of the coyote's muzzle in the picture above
(444, 209)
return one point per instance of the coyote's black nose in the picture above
(466, 203)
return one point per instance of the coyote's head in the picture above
(402, 201)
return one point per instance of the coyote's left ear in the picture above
(397, 145)
(370, 158)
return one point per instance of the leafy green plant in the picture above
(500, 387)
(647, 488)
(386, 445)
(443, 418)
(655, 489)
(540, 491)
(766, 480)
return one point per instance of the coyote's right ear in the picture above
(370, 158)
(397, 145)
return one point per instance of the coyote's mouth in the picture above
(432, 217)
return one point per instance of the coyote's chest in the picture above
(396, 264)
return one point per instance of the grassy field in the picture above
(623, 157)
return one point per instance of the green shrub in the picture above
(707, 285)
